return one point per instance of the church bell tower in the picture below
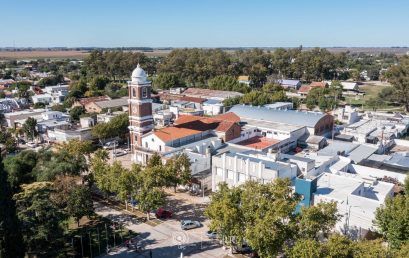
(140, 108)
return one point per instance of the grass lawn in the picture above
(102, 233)
(371, 91)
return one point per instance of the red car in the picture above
(163, 214)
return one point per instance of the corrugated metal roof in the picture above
(292, 117)
(361, 152)
(289, 82)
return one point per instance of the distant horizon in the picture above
(171, 47)
(205, 23)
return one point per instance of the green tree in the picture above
(403, 251)
(51, 164)
(268, 212)
(392, 220)
(61, 189)
(124, 181)
(225, 213)
(41, 220)
(338, 246)
(23, 89)
(258, 75)
(320, 218)
(305, 248)
(256, 98)
(398, 76)
(118, 126)
(179, 170)
(150, 199)
(227, 83)
(167, 81)
(19, 168)
(58, 107)
(231, 101)
(80, 203)
(76, 112)
(11, 144)
(30, 128)
(10, 234)
(369, 249)
(100, 170)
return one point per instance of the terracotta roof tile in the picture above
(304, 89)
(229, 116)
(318, 84)
(224, 126)
(173, 133)
(187, 119)
(258, 142)
(193, 99)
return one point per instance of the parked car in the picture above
(189, 224)
(110, 145)
(163, 214)
(244, 248)
(32, 144)
(119, 153)
(211, 234)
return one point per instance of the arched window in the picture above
(144, 92)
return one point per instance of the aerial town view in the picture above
(208, 128)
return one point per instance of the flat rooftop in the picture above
(270, 125)
(335, 186)
(258, 142)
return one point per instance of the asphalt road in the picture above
(167, 239)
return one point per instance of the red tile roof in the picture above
(258, 142)
(229, 116)
(224, 126)
(319, 84)
(220, 123)
(304, 89)
(193, 99)
(173, 133)
(187, 119)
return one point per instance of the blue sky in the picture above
(204, 23)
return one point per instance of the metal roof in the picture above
(292, 117)
(289, 82)
(337, 147)
(361, 152)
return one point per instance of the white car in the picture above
(32, 144)
(119, 153)
(110, 145)
(211, 234)
(189, 224)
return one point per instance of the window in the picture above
(241, 177)
(136, 139)
(146, 144)
(230, 174)
(133, 92)
(160, 147)
(144, 92)
(219, 171)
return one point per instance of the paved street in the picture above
(167, 239)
